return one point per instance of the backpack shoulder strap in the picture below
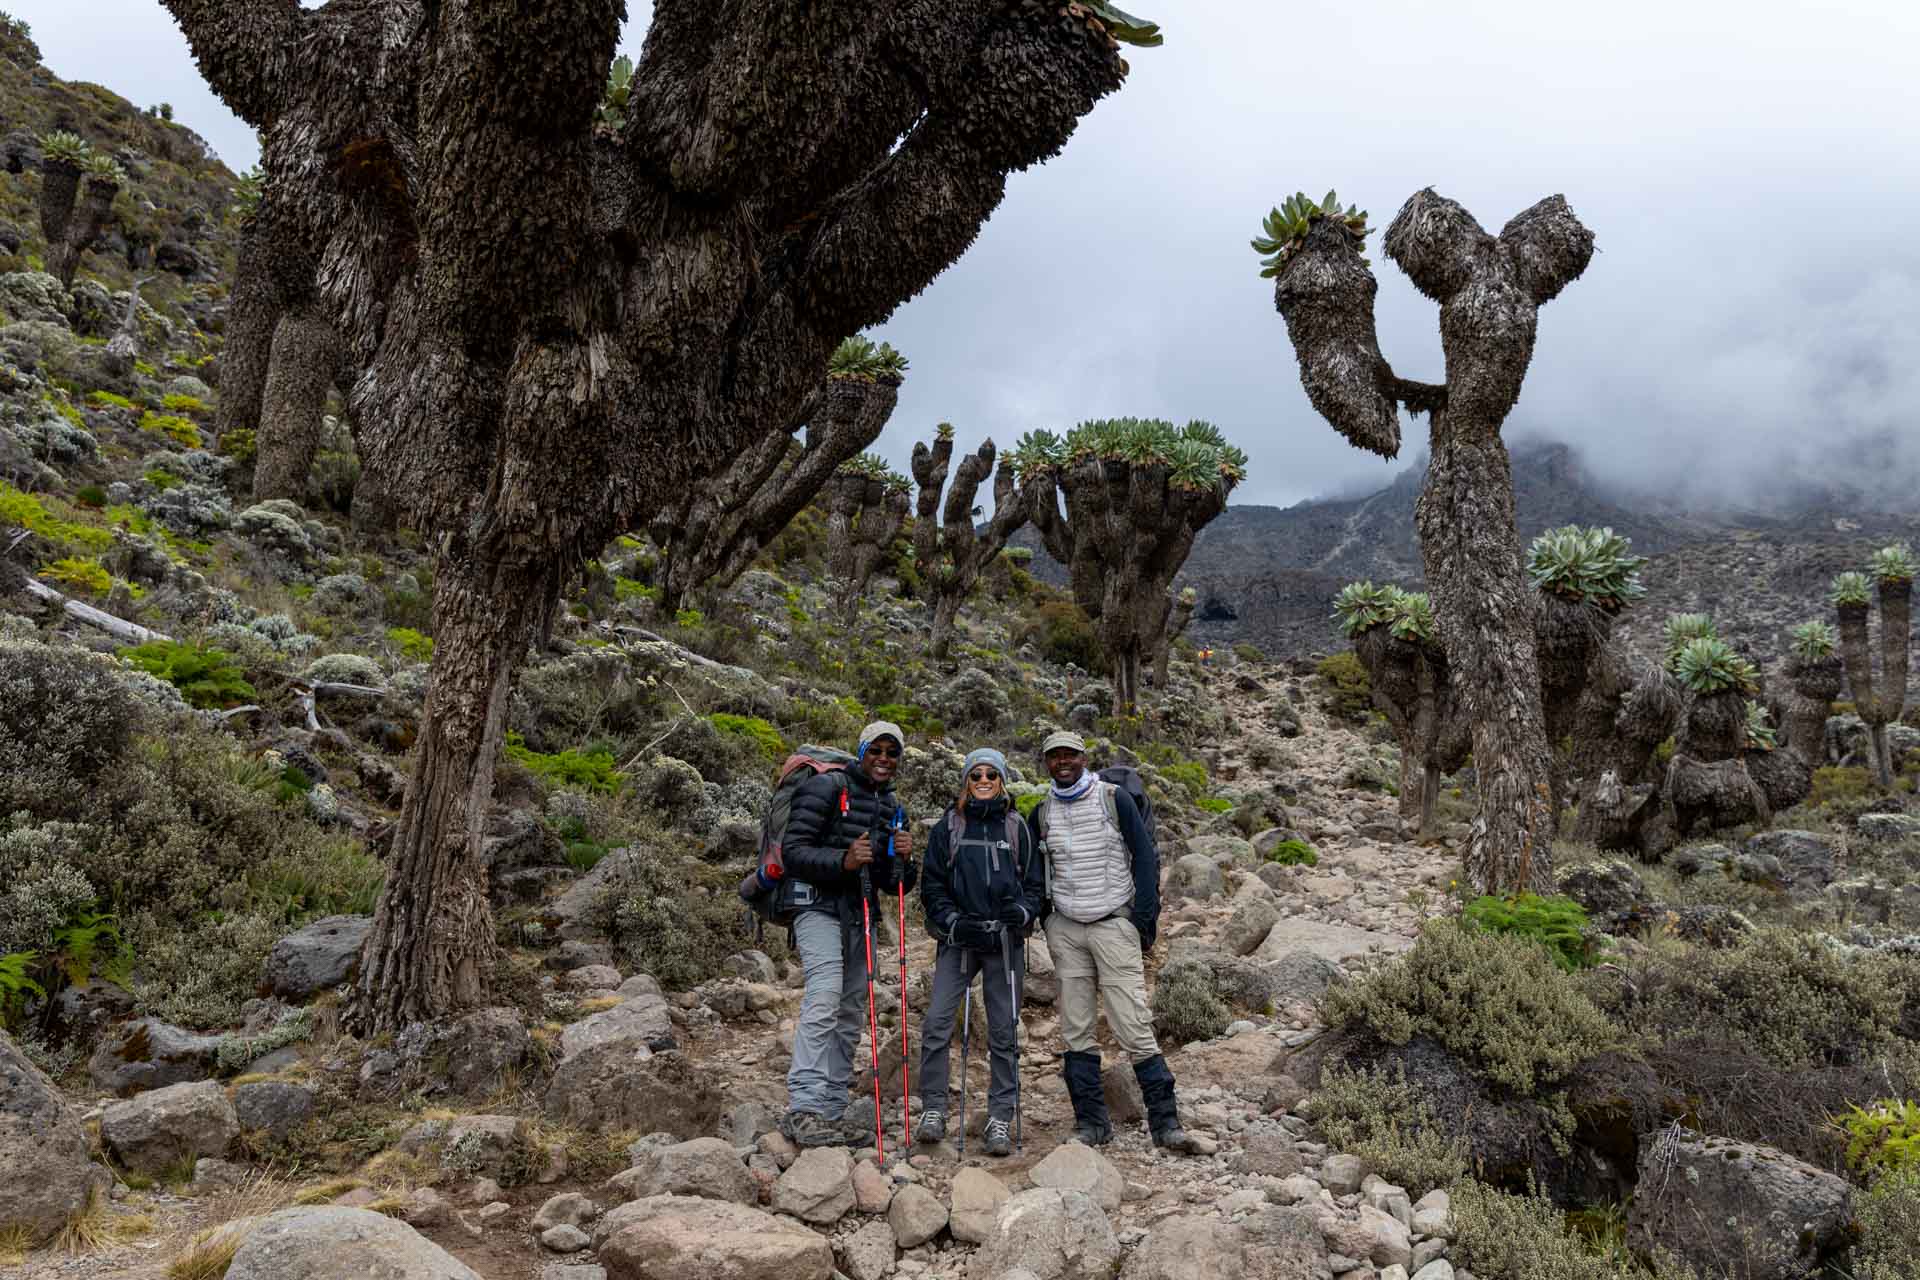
(956, 830)
(1111, 805)
(1015, 829)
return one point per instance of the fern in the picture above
(1558, 923)
(89, 938)
(16, 985)
(206, 678)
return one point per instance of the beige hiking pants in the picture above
(1102, 956)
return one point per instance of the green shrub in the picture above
(26, 511)
(1486, 998)
(1513, 1237)
(177, 429)
(90, 496)
(1387, 1123)
(1186, 1006)
(1558, 923)
(628, 589)
(678, 922)
(413, 645)
(763, 736)
(1062, 634)
(915, 720)
(1889, 1221)
(1882, 1137)
(177, 403)
(1350, 691)
(17, 987)
(240, 444)
(1214, 804)
(1832, 783)
(1293, 853)
(108, 400)
(1248, 653)
(79, 573)
(1026, 804)
(65, 720)
(205, 677)
(592, 770)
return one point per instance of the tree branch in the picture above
(1548, 248)
(245, 50)
(1438, 244)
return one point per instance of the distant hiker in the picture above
(839, 824)
(983, 891)
(1104, 877)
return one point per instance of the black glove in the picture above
(975, 934)
(1014, 916)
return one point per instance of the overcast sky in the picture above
(1751, 172)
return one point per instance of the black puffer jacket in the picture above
(986, 875)
(819, 835)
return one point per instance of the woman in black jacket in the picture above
(983, 888)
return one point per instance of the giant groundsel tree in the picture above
(1878, 698)
(949, 551)
(867, 506)
(709, 536)
(1136, 490)
(559, 326)
(1490, 289)
(77, 187)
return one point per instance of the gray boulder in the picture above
(1224, 851)
(1603, 888)
(44, 1170)
(977, 1197)
(1196, 876)
(818, 1187)
(322, 955)
(469, 1056)
(327, 1242)
(498, 1147)
(1806, 859)
(1249, 926)
(915, 1216)
(163, 1128)
(623, 1085)
(147, 1053)
(664, 1236)
(867, 1254)
(1072, 1166)
(1055, 1234)
(1708, 1200)
(272, 1106)
(1887, 828)
(638, 1020)
(705, 1167)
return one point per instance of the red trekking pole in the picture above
(900, 883)
(873, 1022)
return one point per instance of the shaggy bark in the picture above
(1815, 684)
(1410, 684)
(711, 536)
(73, 213)
(1571, 636)
(559, 333)
(866, 517)
(1490, 290)
(949, 552)
(306, 352)
(273, 269)
(1125, 533)
(1629, 707)
(1878, 700)
(1179, 617)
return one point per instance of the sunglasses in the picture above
(885, 753)
(984, 775)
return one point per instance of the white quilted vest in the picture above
(1087, 858)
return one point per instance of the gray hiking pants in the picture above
(954, 971)
(833, 1013)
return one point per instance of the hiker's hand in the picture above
(903, 843)
(859, 853)
(1014, 915)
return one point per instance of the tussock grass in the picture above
(95, 1225)
(328, 1191)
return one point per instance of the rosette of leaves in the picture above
(1285, 229)
(102, 167)
(1852, 588)
(62, 147)
(1813, 641)
(1038, 452)
(1892, 564)
(1362, 606)
(1682, 629)
(612, 111)
(1122, 26)
(865, 360)
(1709, 665)
(1410, 616)
(1592, 566)
(246, 194)
(1761, 735)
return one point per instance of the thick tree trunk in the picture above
(1815, 685)
(1896, 625)
(1126, 680)
(254, 309)
(1429, 797)
(1858, 654)
(73, 213)
(946, 610)
(306, 351)
(431, 951)
(1485, 608)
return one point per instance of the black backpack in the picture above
(1127, 779)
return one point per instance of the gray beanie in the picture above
(984, 755)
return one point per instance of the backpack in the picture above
(957, 832)
(760, 888)
(1113, 778)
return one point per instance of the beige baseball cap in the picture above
(1063, 738)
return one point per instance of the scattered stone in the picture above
(1223, 851)
(706, 1167)
(1708, 1199)
(1249, 926)
(573, 1271)
(147, 1053)
(872, 1189)
(213, 1174)
(867, 1254)
(272, 1106)
(663, 1236)
(623, 1085)
(818, 1187)
(569, 1207)
(484, 1191)
(640, 1020)
(591, 977)
(325, 1242)
(565, 1238)
(164, 1127)
(1342, 1174)
(1194, 876)
(640, 984)
(425, 1208)
(1334, 942)
(1055, 1234)
(1124, 1104)
(1438, 1269)
(916, 1216)
(976, 1198)
(317, 957)
(45, 1173)
(1433, 1215)
(1269, 1154)
(1076, 1167)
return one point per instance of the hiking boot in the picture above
(1163, 1111)
(1091, 1124)
(806, 1129)
(999, 1136)
(932, 1128)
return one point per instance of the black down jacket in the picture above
(819, 833)
(987, 874)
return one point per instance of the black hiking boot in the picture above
(1163, 1112)
(806, 1129)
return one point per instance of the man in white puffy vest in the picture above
(1104, 877)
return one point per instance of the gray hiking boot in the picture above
(805, 1129)
(932, 1127)
(999, 1136)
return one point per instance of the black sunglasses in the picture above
(984, 775)
(885, 753)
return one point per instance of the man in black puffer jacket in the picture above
(838, 830)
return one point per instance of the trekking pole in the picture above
(906, 1106)
(966, 1049)
(1013, 1001)
(873, 1022)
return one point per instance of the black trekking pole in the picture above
(966, 1049)
(1013, 998)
